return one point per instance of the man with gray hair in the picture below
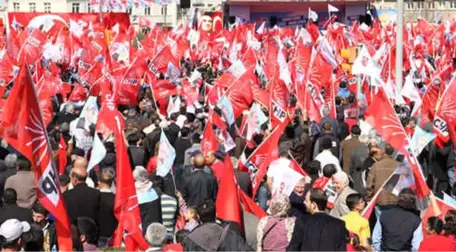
(7, 169)
(340, 182)
(155, 236)
(106, 219)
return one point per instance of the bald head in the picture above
(78, 175)
(80, 162)
(199, 161)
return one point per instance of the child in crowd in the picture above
(190, 213)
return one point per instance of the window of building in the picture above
(88, 8)
(32, 7)
(409, 5)
(47, 7)
(147, 11)
(162, 10)
(16, 7)
(431, 5)
(452, 4)
(129, 10)
(75, 7)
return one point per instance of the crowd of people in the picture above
(338, 164)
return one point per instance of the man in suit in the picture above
(199, 185)
(318, 231)
(340, 181)
(11, 210)
(348, 146)
(173, 129)
(81, 201)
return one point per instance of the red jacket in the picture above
(437, 243)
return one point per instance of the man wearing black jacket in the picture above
(81, 201)
(318, 231)
(11, 210)
(107, 221)
(199, 185)
(210, 236)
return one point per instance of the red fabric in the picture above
(437, 243)
(351, 122)
(218, 170)
(227, 203)
(63, 159)
(265, 154)
(350, 248)
(126, 207)
(176, 247)
(128, 87)
(152, 165)
(250, 205)
(26, 132)
(209, 141)
(381, 115)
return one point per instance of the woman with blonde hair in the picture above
(274, 232)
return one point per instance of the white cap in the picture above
(13, 229)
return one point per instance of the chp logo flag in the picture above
(26, 132)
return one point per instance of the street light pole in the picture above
(399, 41)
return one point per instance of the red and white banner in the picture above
(36, 19)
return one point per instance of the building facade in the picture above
(431, 10)
(171, 14)
(293, 12)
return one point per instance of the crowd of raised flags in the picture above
(267, 74)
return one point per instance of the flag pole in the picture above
(101, 11)
(399, 41)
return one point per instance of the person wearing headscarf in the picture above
(274, 232)
(148, 200)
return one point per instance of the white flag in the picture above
(260, 29)
(173, 106)
(365, 65)
(98, 153)
(409, 90)
(166, 156)
(312, 15)
(332, 9)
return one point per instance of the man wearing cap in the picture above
(11, 232)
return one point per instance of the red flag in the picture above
(33, 47)
(129, 85)
(78, 94)
(228, 205)
(209, 141)
(126, 207)
(264, 154)
(26, 132)
(250, 206)
(6, 69)
(438, 208)
(445, 110)
(278, 108)
(297, 168)
(63, 159)
(381, 115)
(240, 94)
(161, 60)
